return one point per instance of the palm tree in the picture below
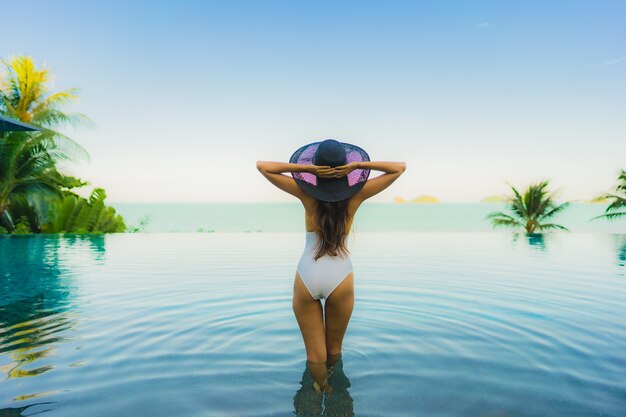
(531, 210)
(28, 169)
(24, 95)
(619, 200)
(28, 160)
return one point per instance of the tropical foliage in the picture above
(617, 207)
(532, 211)
(27, 171)
(31, 183)
(78, 215)
(26, 97)
(141, 227)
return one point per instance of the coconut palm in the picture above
(27, 168)
(28, 160)
(531, 210)
(25, 96)
(618, 198)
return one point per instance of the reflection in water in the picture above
(534, 240)
(620, 241)
(36, 304)
(309, 402)
(17, 411)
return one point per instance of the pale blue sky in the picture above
(187, 96)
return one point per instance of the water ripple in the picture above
(202, 324)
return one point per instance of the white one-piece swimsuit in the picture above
(321, 277)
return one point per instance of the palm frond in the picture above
(610, 216)
(516, 203)
(36, 186)
(619, 201)
(51, 118)
(502, 219)
(65, 143)
(555, 210)
(57, 99)
(497, 214)
(552, 226)
(505, 222)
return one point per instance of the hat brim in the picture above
(330, 189)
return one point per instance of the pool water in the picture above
(444, 324)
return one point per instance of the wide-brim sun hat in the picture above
(330, 152)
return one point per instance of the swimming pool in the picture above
(445, 324)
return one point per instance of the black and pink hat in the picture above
(330, 153)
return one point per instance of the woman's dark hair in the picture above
(333, 221)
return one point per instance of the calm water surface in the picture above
(372, 217)
(445, 324)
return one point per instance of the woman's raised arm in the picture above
(373, 186)
(387, 167)
(273, 167)
(273, 171)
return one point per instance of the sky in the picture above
(186, 96)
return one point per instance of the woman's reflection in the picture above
(332, 399)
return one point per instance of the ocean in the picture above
(371, 217)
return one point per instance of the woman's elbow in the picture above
(260, 166)
(402, 167)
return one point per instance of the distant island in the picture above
(598, 200)
(419, 200)
(495, 198)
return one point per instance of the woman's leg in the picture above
(310, 318)
(339, 306)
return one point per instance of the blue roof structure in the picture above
(9, 125)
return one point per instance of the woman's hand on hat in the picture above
(322, 171)
(343, 170)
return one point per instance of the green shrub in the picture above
(75, 214)
(22, 227)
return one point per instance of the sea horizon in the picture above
(371, 217)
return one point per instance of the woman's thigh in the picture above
(310, 318)
(339, 306)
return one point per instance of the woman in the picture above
(331, 180)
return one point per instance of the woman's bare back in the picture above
(310, 205)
